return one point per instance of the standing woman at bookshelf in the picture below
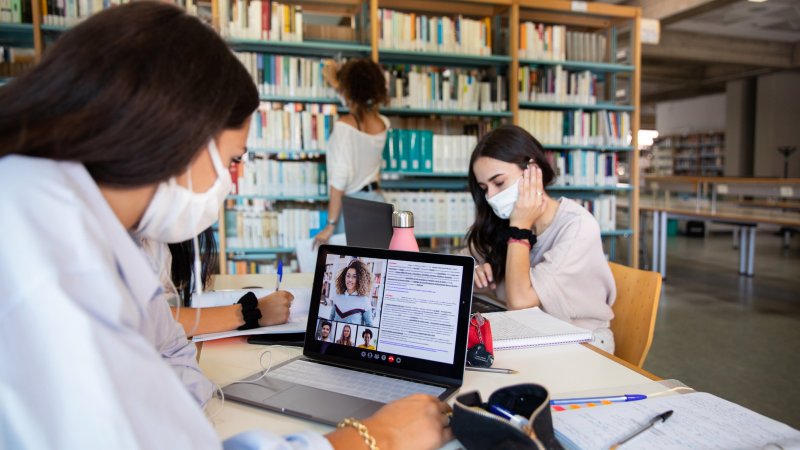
(138, 110)
(534, 250)
(355, 147)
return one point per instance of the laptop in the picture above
(403, 331)
(367, 223)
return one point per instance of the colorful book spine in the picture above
(554, 43)
(578, 127)
(261, 20)
(584, 168)
(410, 31)
(424, 152)
(255, 224)
(556, 85)
(291, 126)
(449, 213)
(604, 209)
(260, 175)
(287, 75)
(429, 87)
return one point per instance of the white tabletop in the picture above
(561, 369)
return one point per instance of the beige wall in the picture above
(777, 122)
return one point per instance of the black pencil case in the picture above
(478, 428)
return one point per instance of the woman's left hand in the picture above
(275, 308)
(531, 202)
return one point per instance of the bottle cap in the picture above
(403, 219)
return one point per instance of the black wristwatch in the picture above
(524, 234)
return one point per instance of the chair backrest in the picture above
(635, 311)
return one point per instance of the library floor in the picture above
(732, 336)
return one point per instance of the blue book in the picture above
(414, 150)
(426, 150)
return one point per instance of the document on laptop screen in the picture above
(420, 310)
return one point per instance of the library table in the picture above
(746, 218)
(562, 369)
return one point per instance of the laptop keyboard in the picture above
(370, 386)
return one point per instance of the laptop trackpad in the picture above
(325, 405)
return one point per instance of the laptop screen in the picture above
(395, 312)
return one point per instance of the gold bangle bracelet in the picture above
(362, 430)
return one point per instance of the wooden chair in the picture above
(635, 311)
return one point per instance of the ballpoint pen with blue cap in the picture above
(280, 275)
(610, 398)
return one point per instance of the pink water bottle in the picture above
(403, 236)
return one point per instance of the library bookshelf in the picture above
(615, 68)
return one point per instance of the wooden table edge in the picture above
(617, 360)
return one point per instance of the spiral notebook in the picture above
(532, 327)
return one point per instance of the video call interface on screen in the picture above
(388, 310)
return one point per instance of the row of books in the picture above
(261, 20)
(601, 128)
(253, 224)
(435, 212)
(432, 87)
(556, 85)
(423, 151)
(584, 168)
(604, 209)
(15, 11)
(292, 126)
(260, 175)
(410, 31)
(287, 75)
(257, 267)
(555, 43)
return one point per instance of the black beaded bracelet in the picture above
(250, 311)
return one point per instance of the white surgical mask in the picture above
(503, 202)
(342, 99)
(177, 214)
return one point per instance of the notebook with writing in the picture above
(699, 420)
(532, 327)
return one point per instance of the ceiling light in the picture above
(756, 1)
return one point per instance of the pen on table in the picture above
(491, 369)
(659, 418)
(280, 275)
(611, 398)
(515, 419)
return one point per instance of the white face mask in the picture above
(341, 99)
(503, 202)
(177, 214)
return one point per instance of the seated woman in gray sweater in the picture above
(533, 250)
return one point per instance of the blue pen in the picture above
(280, 275)
(614, 398)
(515, 419)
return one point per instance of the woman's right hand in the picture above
(412, 423)
(484, 279)
(323, 236)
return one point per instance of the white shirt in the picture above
(90, 356)
(353, 157)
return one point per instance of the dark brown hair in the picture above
(363, 281)
(362, 83)
(182, 268)
(133, 93)
(512, 144)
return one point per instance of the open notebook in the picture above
(699, 420)
(532, 327)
